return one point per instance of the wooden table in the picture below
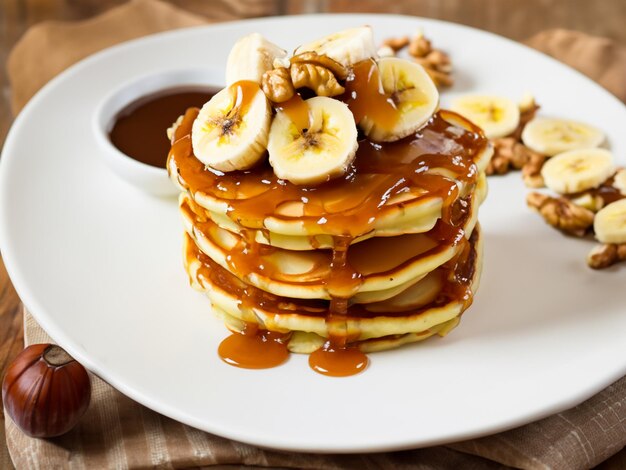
(517, 19)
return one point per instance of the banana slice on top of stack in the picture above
(239, 126)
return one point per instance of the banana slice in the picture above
(346, 47)
(231, 130)
(619, 181)
(610, 223)
(577, 170)
(414, 95)
(552, 136)
(498, 116)
(323, 151)
(251, 57)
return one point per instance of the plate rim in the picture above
(43, 317)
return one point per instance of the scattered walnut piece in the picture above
(502, 153)
(436, 63)
(606, 254)
(498, 165)
(317, 78)
(531, 170)
(396, 44)
(277, 86)
(561, 213)
(419, 46)
(509, 153)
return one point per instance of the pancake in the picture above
(405, 224)
(419, 310)
(382, 263)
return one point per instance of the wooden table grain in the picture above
(516, 19)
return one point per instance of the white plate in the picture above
(99, 265)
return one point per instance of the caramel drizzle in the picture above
(381, 172)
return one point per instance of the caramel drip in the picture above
(245, 91)
(336, 358)
(298, 112)
(338, 362)
(365, 96)
(254, 348)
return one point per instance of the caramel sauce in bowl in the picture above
(130, 123)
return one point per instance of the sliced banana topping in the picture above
(318, 153)
(610, 223)
(413, 94)
(251, 57)
(553, 136)
(619, 181)
(231, 130)
(577, 170)
(346, 47)
(498, 116)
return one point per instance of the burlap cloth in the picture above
(119, 433)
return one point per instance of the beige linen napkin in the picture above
(119, 433)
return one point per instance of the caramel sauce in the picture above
(457, 274)
(297, 110)
(427, 164)
(139, 129)
(365, 96)
(338, 362)
(254, 348)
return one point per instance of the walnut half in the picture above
(277, 86)
(315, 77)
(606, 254)
(561, 213)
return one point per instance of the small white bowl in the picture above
(146, 177)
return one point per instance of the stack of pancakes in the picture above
(388, 254)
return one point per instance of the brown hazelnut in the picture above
(45, 391)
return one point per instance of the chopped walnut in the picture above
(498, 165)
(338, 70)
(561, 213)
(396, 44)
(317, 78)
(436, 63)
(419, 46)
(531, 171)
(606, 254)
(511, 154)
(277, 86)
